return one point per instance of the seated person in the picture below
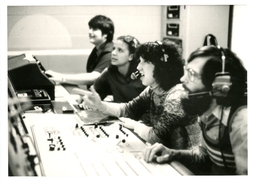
(101, 35)
(161, 68)
(116, 79)
(219, 101)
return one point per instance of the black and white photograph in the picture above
(113, 91)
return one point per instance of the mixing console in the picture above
(67, 148)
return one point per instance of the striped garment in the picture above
(220, 153)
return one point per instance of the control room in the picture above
(127, 90)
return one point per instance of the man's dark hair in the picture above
(233, 65)
(105, 24)
(166, 56)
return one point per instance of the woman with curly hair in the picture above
(161, 68)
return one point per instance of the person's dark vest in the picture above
(220, 151)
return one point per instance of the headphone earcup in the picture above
(221, 85)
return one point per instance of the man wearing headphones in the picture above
(216, 82)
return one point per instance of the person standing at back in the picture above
(101, 32)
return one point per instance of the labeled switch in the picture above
(173, 12)
(172, 29)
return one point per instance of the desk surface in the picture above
(90, 151)
(87, 150)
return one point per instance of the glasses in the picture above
(131, 41)
(191, 74)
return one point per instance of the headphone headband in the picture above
(222, 82)
(223, 58)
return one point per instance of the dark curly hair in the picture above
(105, 24)
(166, 56)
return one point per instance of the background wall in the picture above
(195, 22)
(242, 34)
(66, 27)
(58, 35)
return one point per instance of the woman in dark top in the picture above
(116, 79)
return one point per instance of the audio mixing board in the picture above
(67, 148)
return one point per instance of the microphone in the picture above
(199, 95)
(135, 75)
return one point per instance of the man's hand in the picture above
(158, 153)
(54, 76)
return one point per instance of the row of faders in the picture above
(96, 131)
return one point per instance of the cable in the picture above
(220, 144)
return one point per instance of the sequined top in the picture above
(169, 124)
